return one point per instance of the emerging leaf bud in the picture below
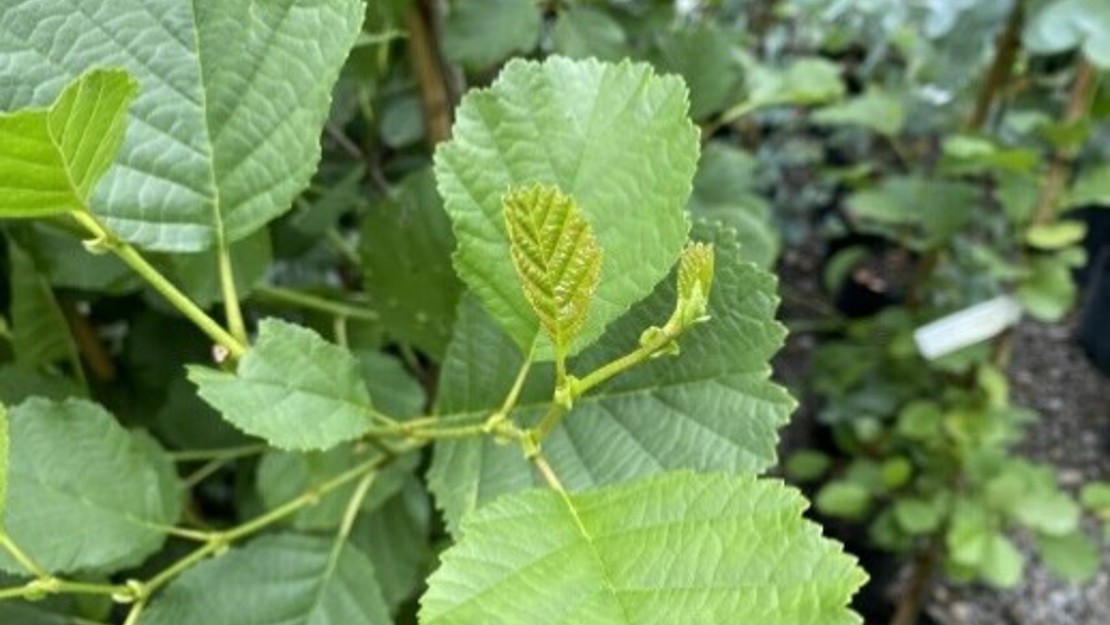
(695, 279)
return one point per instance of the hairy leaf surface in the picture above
(293, 389)
(84, 494)
(288, 578)
(616, 138)
(678, 549)
(225, 129)
(710, 408)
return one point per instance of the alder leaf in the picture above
(53, 158)
(293, 389)
(678, 548)
(225, 129)
(40, 332)
(616, 138)
(405, 244)
(711, 408)
(557, 259)
(287, 578)
(75, 473)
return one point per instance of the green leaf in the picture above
(287, 578)
(1052, 513)
(40, 332)
(394, 390)
(678, 548)
(467, 30)
(1096, 496)
(725, 191)
(19, 383)
(1048, 292)
(844, 499)
(396, 537)
(1056, 235)
(75, 473)
(710, 408)
(293, 389)
(557, 259)
(936, 208)
(1091, 187)
(225, 130)
(1069, 24)
(707, 61)
(570, 124)
(583, 31)
(1002, 563)
(807, 465)
(805, 82)
(406, 244)
(876, 110)
(1073, 556)
(918, 515)
(53, 158)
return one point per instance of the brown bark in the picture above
(430, 70)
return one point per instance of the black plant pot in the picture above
(1093, 333)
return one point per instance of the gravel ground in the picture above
(1051, 374)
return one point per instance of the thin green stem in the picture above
(670, 332)
(232, 312)
(555, 413)
(301, 299)
(342, 247)
(19, 556)
(135, 612)
(354, 505)
(221, 540)
(207, 470)
(130, 256)
(225, 453)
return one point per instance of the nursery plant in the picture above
(930, 440)
(532, 329)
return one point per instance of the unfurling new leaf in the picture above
(556, 257)
(695, 279)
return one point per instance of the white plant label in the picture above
(967, 327)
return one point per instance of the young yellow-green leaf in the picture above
(225, 130)
(51, 159)
(1056, 236)
(293, 389)
(287, 578)
(556, 256)
(83, 493)
(615, 137)
(678, 548)
(695, 279)
(711, 408)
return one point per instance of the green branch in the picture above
(308, 301)
(104, 238)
